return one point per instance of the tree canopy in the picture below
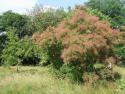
(113, 8)
(11, 19)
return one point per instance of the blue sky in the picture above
(61, 3)
(21, 6)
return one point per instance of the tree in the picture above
(113, 8)
(19, 51)
(11, 19)
(10, 52)
(2, 44)
(41, 19)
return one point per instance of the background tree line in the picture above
(19, 29)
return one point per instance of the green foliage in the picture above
(107, 74)
(70, 73)
(2, 45)
(27, 25)
(51, 51)
(113, 8)
(120, 52)
(41, 20)
(97, 13)
(11, 19)
(44, 59)
(121, 85)
(10, 52)
(27, 47)
(28, 52)
(19, 51)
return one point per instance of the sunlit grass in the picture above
(38, 80)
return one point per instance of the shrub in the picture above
(10, 52)
(109, 75)
(28, 52)
(19, 51)
(68, 72)
(50, 48)
(120, 52)
(80, 41)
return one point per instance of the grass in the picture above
(38, 80)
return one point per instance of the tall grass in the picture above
(37, 80)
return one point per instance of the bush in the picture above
(28, 52)
(10, 52)
(70, 73)
(80, 41)
(120, 52)
(108, 75)
(19, 51)
(50, 49)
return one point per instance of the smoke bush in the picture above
(80, 41)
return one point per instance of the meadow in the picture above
(38, 80)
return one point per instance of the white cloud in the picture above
(19, 6)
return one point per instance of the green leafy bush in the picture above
(71, 72)
(19, 51)
(28, 52)
(10, 52)
(120, 52)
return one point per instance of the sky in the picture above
(21, 6)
